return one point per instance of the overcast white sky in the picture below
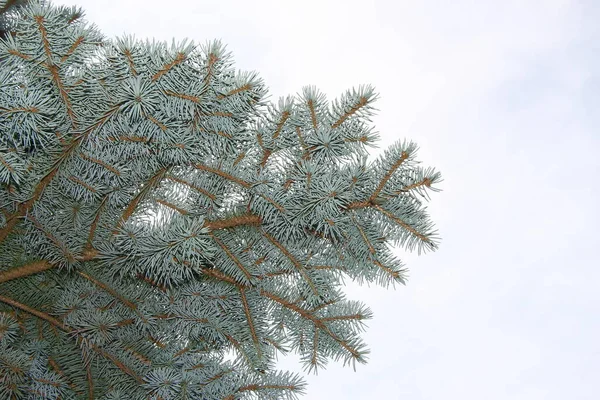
(504, 98)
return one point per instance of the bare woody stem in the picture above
(25, 270)
(249, 219)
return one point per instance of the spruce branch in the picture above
(103, 164)
(192, 186)
(232, 222)
(25, 270)
(387, 176)
(301, 269)
(118, 363)
(167, 67)
(152, 182)
(404, 225)
(127, 54)
(394, 274)
(195, 218)
(90, 381)
(56, 368)
(361, 103)
(54, 71)
(60, 245)
(19, 54)
(72, 49)
(193, 99)
(313, 115)
(223, 174)
(130, 304)
(32, 311)
(94, 224)
(24, 207)
(7, 5)
(316, 321)
(250, 320)
(245, 87)
(233, 258)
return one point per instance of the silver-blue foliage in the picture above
(165, 231)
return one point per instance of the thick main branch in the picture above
(25, 270)
(248, 219)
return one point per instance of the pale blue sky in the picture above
(503, 98)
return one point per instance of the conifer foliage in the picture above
(165, 231)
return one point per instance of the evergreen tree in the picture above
(165, 231)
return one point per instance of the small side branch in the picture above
(212, 60)
(192, 186)
(53, 69)
(178, 60)
(403, 224)
(24, 207)
(184, 96)
(223, 174)
(313, 115)
(240, 89)
(101, 163)
(94, 224)
(90, 380)
(127, 54)
(293, 260)
(363, 235)
(128, 212)
(284, 117)
(56, 368)
(72, 49)
(361, 103)
(19, 54)
(256, 388)
(119, 364)
(388, 175)
(232, 257)
(220, 276)
(68, 255)
(250, 321)
(32, 311)
(64, 328)
(318, 322)
(241, 220)
(109, 290)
